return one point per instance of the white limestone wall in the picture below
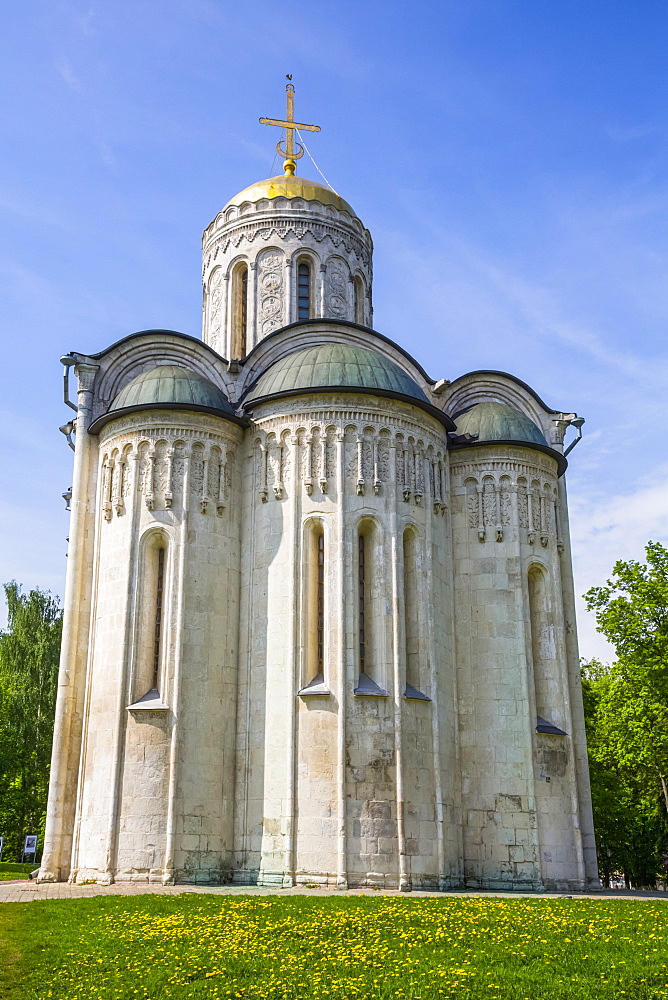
(332, 786)
(271, 236)
(519, 792)
(156, 783)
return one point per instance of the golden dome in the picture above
(290, 186)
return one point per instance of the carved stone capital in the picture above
(86, 375)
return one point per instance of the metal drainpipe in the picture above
(577, 423)
(69, 362)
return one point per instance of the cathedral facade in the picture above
(319, 613)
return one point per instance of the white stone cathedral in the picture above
(319, 613)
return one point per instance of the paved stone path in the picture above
(26, 892)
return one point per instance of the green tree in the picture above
(629, 815)
(632, 612)
(29, 653)
(626, 706)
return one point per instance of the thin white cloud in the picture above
(620, 134)
(605, 529)
(85, 23)
(66, 72)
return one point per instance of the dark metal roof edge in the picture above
(423, 404)
(547, 728)
(148, 333)
(105, 418)
(513, 378)
(343, 323)
(562, 464)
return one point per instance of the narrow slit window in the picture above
(303, 291)
(239, 312)
(243, 325)
(362, 604)
(157, 635)
(359, 300)
(315, 602)
(547, 684)
(321, 606)
(411, 612)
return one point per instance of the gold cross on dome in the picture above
(289, 154)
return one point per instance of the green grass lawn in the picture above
(10, 870)
(186, 946)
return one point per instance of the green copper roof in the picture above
(172, 385)
(335, 366)
(493, 421)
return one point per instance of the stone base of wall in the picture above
(503, 885)
(153, 876)
(328, 880)
(245, 876)
(568, 885)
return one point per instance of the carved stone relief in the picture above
(489, 504)
(271, 291)
(162, 475)
(284, 229)
(505, 500)
(366, 460)
(472, 504)
(196, 477)
(336, 294)
(178, 471)
(216, 303)
(522, 503)
(275, 466)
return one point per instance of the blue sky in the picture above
(510, 159)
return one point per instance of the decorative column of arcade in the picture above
(56, 857)
(169, 866)
(431, 505)
(251, 321)
(341, 681)
(294, 520)
(399, 671)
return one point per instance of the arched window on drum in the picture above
(304, 291)
(315, 602)
(239, 317)
(370, 618)
(544, 653)
(358, 290)
(152, 609)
